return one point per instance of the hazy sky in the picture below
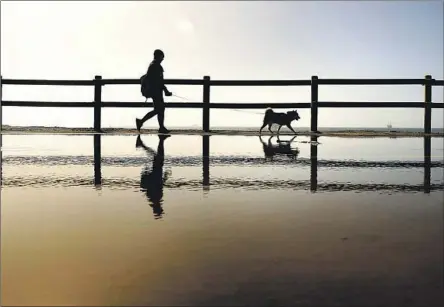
(226, 40)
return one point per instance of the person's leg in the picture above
(148, 115)
(159, 106)
(140, 122)
(161, 117)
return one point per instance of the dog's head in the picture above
(294, 115)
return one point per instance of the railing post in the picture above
(206, 104)
(97, 160)
(428, 105)
(314, 104)
(427, 163)
(97, 103)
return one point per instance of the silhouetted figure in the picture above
(280, 119)
(151, 182)
(282, 148)
(153, 86)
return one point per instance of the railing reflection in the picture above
(97, 160)
(206, 183)
(427, 163)
(206, 162)
(313, 164)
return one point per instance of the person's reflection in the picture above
(152, 181)
(282, 148)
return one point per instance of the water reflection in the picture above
(278, 178)
(97, 161)
(281, 148)
(152, 178)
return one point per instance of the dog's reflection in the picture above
(152, 180)
(281, 148)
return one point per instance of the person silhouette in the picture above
(153, 86)
(152, 181)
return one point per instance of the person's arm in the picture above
(164, 88)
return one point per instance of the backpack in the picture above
(144, 86)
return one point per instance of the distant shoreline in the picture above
(344, 132)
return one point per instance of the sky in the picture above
(225, 40)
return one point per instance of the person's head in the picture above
(158, 55)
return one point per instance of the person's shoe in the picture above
(164, 130)
(138, 124)
(163, 137)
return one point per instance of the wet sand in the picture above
(370, 235)
(124, 131)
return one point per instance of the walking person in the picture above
(152, 86)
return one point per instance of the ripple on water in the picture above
(215, 184)
(215, 160)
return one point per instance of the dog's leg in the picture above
(260, 131)
(269, 128)
(279, 128)
(260, 138)
(291, 128)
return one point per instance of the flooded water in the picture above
(109, 220)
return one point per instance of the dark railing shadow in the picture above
(1, 160)
(206, 162)
(270, 150)
(313, 164)
(97, 161)
(427, 163)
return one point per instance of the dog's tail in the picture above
(268, 114)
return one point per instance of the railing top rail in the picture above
(48, 82)
(167, 81)
(376, 81)
(260, 82)
(326, 81)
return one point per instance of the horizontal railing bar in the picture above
(260, 82)
(223, 105)
(181, 105)
(229, 82)
(364, 104)
(213, 105)
(71, 104)
(167, 81)
(372, 81)
(48, 82)
(262, 105)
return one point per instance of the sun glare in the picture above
(185, 26)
